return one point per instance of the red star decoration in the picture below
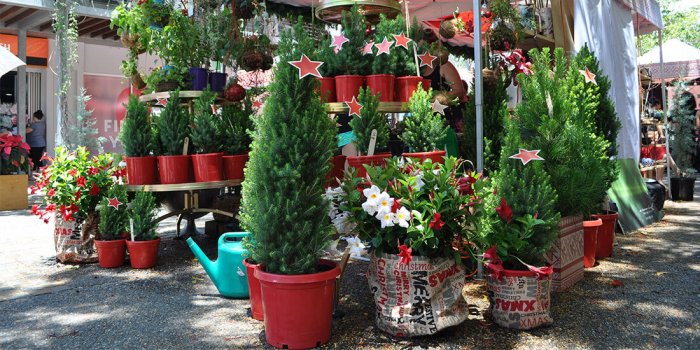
(384, 47)
(354, 106)
(427, 59)
(162, 102)
(307, 67)
(590, 77)
(402, 40)
(367, 49)
(339, 40)
(114, 203)
(257, 104)
(526, 156)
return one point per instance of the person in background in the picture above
(36, 138)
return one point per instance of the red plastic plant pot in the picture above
(405, 86)
(435, 156)
(142, 170)
(143, 254)
(347, 86)
(175, 169)
(382, 84)
(426, 84)
(111, 254)
(256, 306)
(207, 167)
(358, 162)
(337, 169)
(590, 241)
(327, 89)
(234, 166)
(606, 234)
(298, 308)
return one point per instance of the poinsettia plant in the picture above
(511, 64)
(74, 183)
(411, 208)
(14, 155)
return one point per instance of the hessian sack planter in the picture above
(382, 84)
(75, 240)
(405, 86)
(111, 253)
(435, 156)
(418, 298)
(142, 170)
(682, 188)
(298, 308)
(519, 299)
(358, 162)
(175, 169)
(590, 241)
(234, 165)
(256, 308)
(207, 167)
(143, 254)
(327, 92)
(606, 234)
(337, 169)
(347, 86)
(566, 254)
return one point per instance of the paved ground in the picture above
(48, 305)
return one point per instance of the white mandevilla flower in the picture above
(419, 182)
(370, 207)
(387, 219)
(402, 216)
(384, 203)
(372, 193)
(356, 246)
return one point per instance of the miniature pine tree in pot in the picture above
(383, 63)
(236, 124)
(425, 130)
(207, 139)
(140, 164)
(283, 206)
(351, 62)
(682, 114)
(144, 242)
(362, 126)
(173, 127)
(114, 219)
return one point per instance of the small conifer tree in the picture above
(425, 130)
(207, 132)
(142, 212)
(385, 63)
(683, 140)
(350, 56)
(369, 119)
(84, 131)
(495, 114)
(173, 126)
(113, 221)
(237, 124)
(135, 135)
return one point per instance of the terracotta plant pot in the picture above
(143, 254)
(606, 234)
(347, 86)
(142, 170)
(298, 308)
(405, 86)
(337, 169)
(327, 89)
(175, 169)
(435, 156)
(382, 84)
(358, 162)
(111, 254)
(207, 167)
(590, 241)
(256, 308)
(234, 166)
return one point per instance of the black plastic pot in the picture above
(657, 192)
(682, 188)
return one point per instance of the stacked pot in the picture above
(343, 88)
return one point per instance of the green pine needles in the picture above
(495, 114)
(84, 131)
(683, 141)
(385, 63)
(173, 126)
(368, 120)
(236, 124)
(135, 134)
(113, 221)
(143, 213)
(207, 132)
(353, 62)
(283, 206)
(425, 130)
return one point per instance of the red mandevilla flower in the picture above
(504, 211)
(436, 224)
(495, 268)
(93, 171)
(80, 181)
(72, 172)
(94, 190)
(396, 206)
(405, 254)
(492, 255)
(51, 193)
(77, 195)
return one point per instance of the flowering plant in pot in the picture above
(283, 206)
(138, 145)
(173, 126)
(412, 213)
(112, 228)
(362, 126)
(352, 63)
(236, 125)
(15, 164)
(425, 130)
(144, 243)
(683, 143)
(207, 138)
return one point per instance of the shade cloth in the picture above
(8, 61)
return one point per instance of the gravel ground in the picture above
(48, 305)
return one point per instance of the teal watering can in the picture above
(228, 272)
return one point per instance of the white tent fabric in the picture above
(8, 61)
(646, 15)
(674, 51)
(608, 29)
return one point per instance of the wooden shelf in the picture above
(184, 95)
(533, 40)
(189, 186)
(384, 107)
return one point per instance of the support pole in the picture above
(476, 10)
(664, 106)
(22, 84)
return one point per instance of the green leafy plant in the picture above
(237, 124)
(142, 212)
(83, 132)
(156, 13)
(14, 155)
(165, 74)
(495, 112)
(325, 54)
(113, 221)
(425, 130)
(350, 58)
(65, 25)
(683, 140)
(507, 27)
(173, 126)
(207, 133)
(369, 119)
(135, 141)
(283, 206)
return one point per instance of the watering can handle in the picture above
(227, 235)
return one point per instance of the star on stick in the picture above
(590, 77)
(438, 107)
(339, 40)
(367, 49)
(384, 47)
(307, 67)
(526, 156)
(162, 102)
(402, 40)
(355, 107)
(427, 59)
(114, 202)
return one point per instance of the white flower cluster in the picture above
(340, 219)
(380, 204)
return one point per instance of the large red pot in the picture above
(382, 84)
(337, 169)
(141, 170)
(256, 307)
(347, 86)
(435, 156)
(111, 253)
(143, 254)
(358, 162)
(405, 86)
(234, 165)
(327, 89)
(590, 241)
(298, 308)
(207, 167)
(606, 234)
(175, 169)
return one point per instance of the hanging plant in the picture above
(65, 25)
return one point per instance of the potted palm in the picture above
(425, 130)
(14, 167)
(362, 126)
(283, 206)
(207, 138)
(114, 218)
(351, 62)
(173, 125)
(683, 143)
(236, 124)
(144, 243)
(141, 165)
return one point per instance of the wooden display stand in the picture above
(13, 192)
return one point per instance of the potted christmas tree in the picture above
(283, 206)
(329, 69)
(207, 138)
(173, 125)
(352, 63)
(381, 81)
(425, 130)
(362, 126)
(114, 219)
(236, 123)
(144, 243)
(683, 143)
(141, 166)
(407, 80)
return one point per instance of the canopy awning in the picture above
(423, 10)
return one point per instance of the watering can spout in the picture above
(208, 265)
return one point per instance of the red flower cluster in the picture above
(405, 254)
(436, 224)
(465, 183)
(9, 141)
(495, 265)
(504, 211)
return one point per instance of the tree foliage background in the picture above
(681, 21)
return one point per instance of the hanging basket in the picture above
(489, 76)
(448, 30)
